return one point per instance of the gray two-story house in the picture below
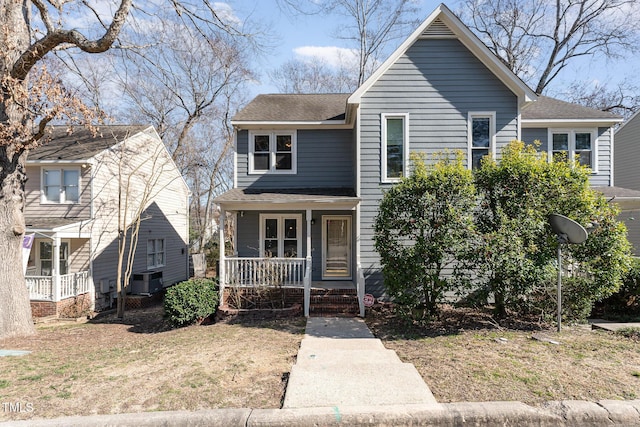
(310, 170)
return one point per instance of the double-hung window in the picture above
(395, 146)
(573, 145)
(481, 134)
(280, 235)
(272, 152)
(155, 253)
(61, 185)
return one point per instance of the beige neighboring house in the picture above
(78, 186)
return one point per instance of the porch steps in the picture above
(333, 303)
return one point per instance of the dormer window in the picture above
(272, 152)
(60, 185)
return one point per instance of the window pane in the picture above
(560, 142)
(45, 268)
(395, 141)
(271, 248)
(291, 248)
(583, 141)
(45, 250)
(51, 177)
(584, 158)
(52, 193)
(476, 157)
(151, 246)
(480, 132)
(283, 143)
(160, 259)
(261, 161)
(261, 143)
(71, 177)
(160, 245)
(290, 229)
(150, 260)
(283, 161)
(271, 229)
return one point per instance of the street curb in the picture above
(568, 413)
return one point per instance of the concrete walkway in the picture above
(340, 363)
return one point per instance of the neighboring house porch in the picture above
(302, 240)
(58, 267)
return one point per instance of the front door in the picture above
(336, 247)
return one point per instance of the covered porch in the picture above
(58, 262)
(303, 240)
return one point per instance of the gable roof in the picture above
(81, 144)
(547, 109)
(443, 23)
(314, 108)
(633, 116)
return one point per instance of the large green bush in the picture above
(191, 301)
(422, 227)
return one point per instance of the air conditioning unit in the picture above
(146, 282)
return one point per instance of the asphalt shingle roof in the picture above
(285, 195)
(295, 107)
(81, 144)
(549, 108)
(322, 107)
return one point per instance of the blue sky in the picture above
(300, 36)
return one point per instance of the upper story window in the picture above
(60, 185)
(481, 134)
(155, 253)
(574, 145)
(272, 152)
(395, 146)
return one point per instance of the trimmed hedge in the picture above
(191, 301)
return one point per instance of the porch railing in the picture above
(251, 272)
(51, 288)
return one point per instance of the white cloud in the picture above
(332, 55)
(226, 13)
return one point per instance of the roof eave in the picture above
(293, 124)
(570, 122)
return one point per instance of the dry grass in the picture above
(109, 367)
(468, 356)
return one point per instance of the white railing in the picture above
(251, 272)
(51, 288)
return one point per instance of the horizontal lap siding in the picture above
(438, 82)
(324, 159)
(603, 176)
(34, 208)
(627, 155)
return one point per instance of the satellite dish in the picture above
(568, 229)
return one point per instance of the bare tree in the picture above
(622, 99)
(314, 76)
(25, 110)
(373, 24)
(31, 97)
(538, 39)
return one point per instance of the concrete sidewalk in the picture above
(340, 363)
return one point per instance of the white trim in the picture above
(383, 145)
(531, 123)
(273, 134)
(280, 218)
(466, 37)
(63, 200)
(349, 249)
(235, 158)
(572, 144)
(491, 115)
(611, 157)
(358, 149)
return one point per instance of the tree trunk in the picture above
(15, 309)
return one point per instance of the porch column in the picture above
(221, 268)
(307, 273)
(55, 269)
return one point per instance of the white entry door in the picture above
(336, 247)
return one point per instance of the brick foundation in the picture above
(69, 307)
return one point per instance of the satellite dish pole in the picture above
(567, 231)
